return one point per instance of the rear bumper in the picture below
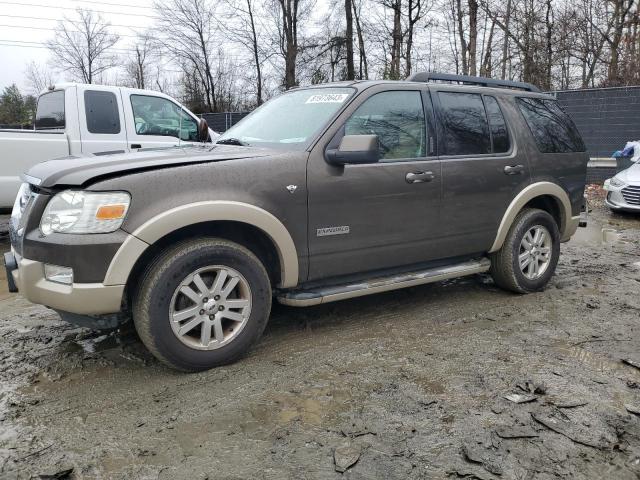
(28, 278)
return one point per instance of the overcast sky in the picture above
(26, 24)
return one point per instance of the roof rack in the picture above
(469, 80)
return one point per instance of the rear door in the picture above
(155, 121)
(101, 119)
(482, 167)
(374, 216)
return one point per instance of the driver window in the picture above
(161, 117)
(397, 118)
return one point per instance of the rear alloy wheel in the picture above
(202, 303)
(529, 255)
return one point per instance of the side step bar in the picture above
(333, 293)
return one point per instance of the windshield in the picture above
(288, 121)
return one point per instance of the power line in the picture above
(114, 4)
(39, 5)
(59, 20)
(53, 30)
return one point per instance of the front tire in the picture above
(202, 304)
(529, 255)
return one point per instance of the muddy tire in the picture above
(528, 258)
(202, 304)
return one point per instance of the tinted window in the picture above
(101, 109)
(464, 122)
(552, 129)
(499, 132)
(397, 118)
(159, 116)
(50, 111)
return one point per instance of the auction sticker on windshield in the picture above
(328, 98)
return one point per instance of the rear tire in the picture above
(529, 255)
(202, 304)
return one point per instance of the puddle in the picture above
(595, 234)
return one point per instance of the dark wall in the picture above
(221, 122)
(606, 117)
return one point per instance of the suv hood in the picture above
(78, 171)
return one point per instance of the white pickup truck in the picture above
(77, 119)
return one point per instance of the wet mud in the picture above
(457, 379)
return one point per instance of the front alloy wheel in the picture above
(210, 307)
(202, 303)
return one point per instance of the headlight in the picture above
(74, 211)
(616, 182)
(21, 200)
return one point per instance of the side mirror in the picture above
(203, 131)
(355, 149)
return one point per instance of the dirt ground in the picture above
(408, 384)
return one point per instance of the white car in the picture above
(623, 190)
(79, 120)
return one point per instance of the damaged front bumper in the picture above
(28, 277)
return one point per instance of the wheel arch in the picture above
(547, 196)
(251, 226)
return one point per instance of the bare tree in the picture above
(138, 67)
(82, 47)
(243, 29)
(38, 77)
(288, 15)
(363, 72)
(186, 30)
(348, 14)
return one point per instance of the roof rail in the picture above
(469, 80)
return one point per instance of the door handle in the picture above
(136, 145)
(419, 177)
(513, 169)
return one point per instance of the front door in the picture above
(157, 122)
(375, 216)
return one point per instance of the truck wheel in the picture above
(202, 304)
(528, 258)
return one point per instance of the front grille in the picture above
(631, 194)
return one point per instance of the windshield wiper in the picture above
(232, 141)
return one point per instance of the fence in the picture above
(221, 122)
(607, 118)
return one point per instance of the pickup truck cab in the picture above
(78, 120)
(324, 193)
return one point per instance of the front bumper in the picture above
(80, 298)
(616, 201)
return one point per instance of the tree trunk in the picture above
(348, 14)
(363, 73)
(256, 56)
(463, 42)
(505, 42)
(396, 46)
(473, 36)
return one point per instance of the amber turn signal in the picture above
(111, 212)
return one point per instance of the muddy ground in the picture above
(409, 384)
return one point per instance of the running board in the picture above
(333, 293)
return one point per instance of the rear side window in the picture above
(101, 109)
(50, 111)
(552, 129)
(464, 123)
(499, 132)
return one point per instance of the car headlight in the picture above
(616, 182)
(75, 211)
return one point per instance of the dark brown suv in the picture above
(324, 193)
